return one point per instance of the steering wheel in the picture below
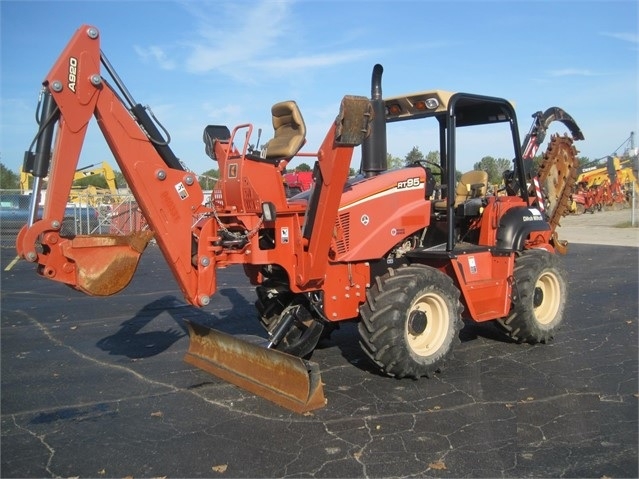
(442, 171)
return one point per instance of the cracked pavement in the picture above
(96, 387)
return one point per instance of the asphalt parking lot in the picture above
(96, 387)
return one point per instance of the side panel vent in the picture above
(342, 228)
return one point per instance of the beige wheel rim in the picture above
(427, 324)
(547, 297)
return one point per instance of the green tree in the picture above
(99, 181)
(303, 167)
(120, 181)
(208, 179)
(393, 162)
(583, 160)
(536, 162)
(414, 156)
(433, 157)
(8, 179)
(494, 167)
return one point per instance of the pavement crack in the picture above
(170, 387)
(42, 439)
(86, 357)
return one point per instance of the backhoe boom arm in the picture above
(169, 197)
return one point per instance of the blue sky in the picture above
(227, 61)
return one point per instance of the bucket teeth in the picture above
(286, 380)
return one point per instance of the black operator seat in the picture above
(212, 133)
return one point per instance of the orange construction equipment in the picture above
(379, 248)
(606, 184)
(298, 182)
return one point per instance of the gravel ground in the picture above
(611, 228)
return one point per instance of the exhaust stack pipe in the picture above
(374, 147)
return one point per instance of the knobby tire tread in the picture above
(521, 324)
(383, 317)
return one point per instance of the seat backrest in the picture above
(290, 131)
(213, 133)
(472, 184)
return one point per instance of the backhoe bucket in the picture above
(286, 380)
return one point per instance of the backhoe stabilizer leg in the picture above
(286, 380)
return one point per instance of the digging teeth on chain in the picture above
(557, 175)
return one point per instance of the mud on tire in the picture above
(539, 298)
(410, 321)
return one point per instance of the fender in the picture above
(516, 225)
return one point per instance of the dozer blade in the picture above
(286, 380)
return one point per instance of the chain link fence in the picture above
(98, 213)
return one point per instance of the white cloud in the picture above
(242, 40)
(310, 61)
(631, 37)
(237, 35)
(564, 72)
(222, 112)
(156, 53)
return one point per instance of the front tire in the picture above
(410, 321)
(539, 300)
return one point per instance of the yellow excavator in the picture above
(614, 168)
(88, 194)
(92, 194)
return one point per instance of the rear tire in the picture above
(410, 321)
(539, 298)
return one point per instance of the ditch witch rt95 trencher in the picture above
(405, 252)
